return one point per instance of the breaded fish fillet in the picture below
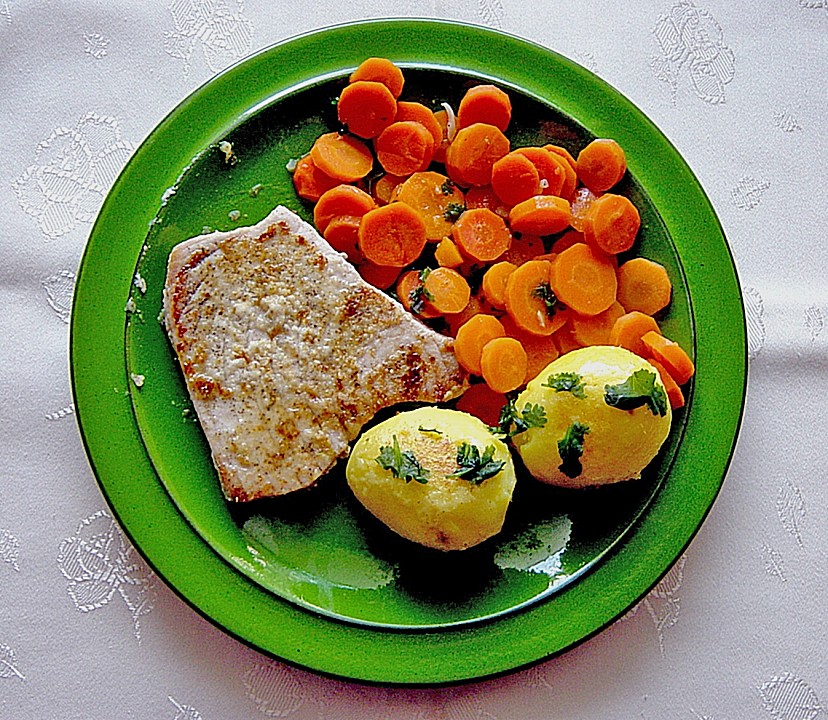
(287, 352)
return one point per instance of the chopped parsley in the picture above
(402, 463)
(550, 301)
(447, 188)
(418, 296)
(474, 467)
(638, 390)
(453, 211)
(513, 422)
(567, 382)
(571, 448)
(429, 430)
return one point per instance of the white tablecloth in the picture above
(737, 629)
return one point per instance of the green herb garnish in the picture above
(474, 467)
(550, 301)
(513, 422)
(637, 390)
(567, 382)
(453, 211)
(429, 430)
(402, 463)
(418, 296)
(447, 188)
(571, 448)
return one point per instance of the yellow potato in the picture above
(444, 512)
(616, 443)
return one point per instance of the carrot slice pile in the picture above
(628, 330)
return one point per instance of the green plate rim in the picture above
(100, 384)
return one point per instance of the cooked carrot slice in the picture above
(671, 355)
(342, 157)
(530, 300)
(584, 197)
(540, 215)
(436, 198)
(404, 147)
(611, 224)
(584, 279)
(482, 402)
(380, 70)
(309, 181)
(481, 235)
(475, 306)
(644, 285)
(601, 164)
(384, 187)
(565, 340)
(570, 181)
(515, 178)
(446, 290)
(568, 239)
(411, 294)
(485, 104)
(494, 283)
(441, 118)
(341, 200)
(563, 153)
(417, 112)
(596, 329)
(540, 349)
(476, 332)
(550, 171)
(342, 233)
(392, 235)
(473, 152)
(503, 364)
(366, 108)
(380, 276)
(628, 330)
(523, 248)
(484, 196)
(674, 393)
(447, 254)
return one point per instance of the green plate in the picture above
(312, 579)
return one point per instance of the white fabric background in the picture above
(737, 629)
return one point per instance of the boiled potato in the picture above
(607, 417)
(402, 471)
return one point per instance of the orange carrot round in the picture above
(644, 285)
(404, 147)
(380, 70)
(476, 306)
(342, 233)
(309, 181)
(596, 329)
(494, 283)
(383, 188)
(446, 290)
(568, 239)
(342, 157)
(503, 364)
(447, 254)
(392, 235)
(628, 330)
(611, 224)
(441, 118)
(473, 152)
(481, 234)
(674, 393)
(515, 178)
(366, 108)
(540, 349)
(670, 354)
(435, 198)
(530, 300)
(540, 215)
(563, 153)
(411, 294)
(417, 112)
(482, 402)
(485, 104)
(484, 196)
(584, 279)
(523, 248)
(582, 202)
(570, 177)
(550, 171)
(601, 164)
(380, 276)
(341, 200)
(476, 332)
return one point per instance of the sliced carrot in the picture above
(674, 392)
(446, 290)
(383, 188)
(404, 147)
(481, 234)
(540, 215)
(570, 181)
(366, 108)
(435, 198)
(342, 157)
(485, 104)
(596, 329)
(473, 152)
(628, 330)
(540, 349)
(342, 233)
(476, 332)
(550, 171)
(530, 301)
(482, 402)
(417, 112)
(515, 178)
(584, 197)
(441, 118)
(309, 181)
(392, 235)
(566, 340)
(447, 254)
(563, 153)
(484, 196)
(584, 279)
(601, 164)
(523, 248)
(611, 224)
(644, 285)
(568, 239)
(341, 200)
(476, 306)
(494, 283)
(503, 364)
(411, 294)
(380, 276)
(670, 354)
(380, 70)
